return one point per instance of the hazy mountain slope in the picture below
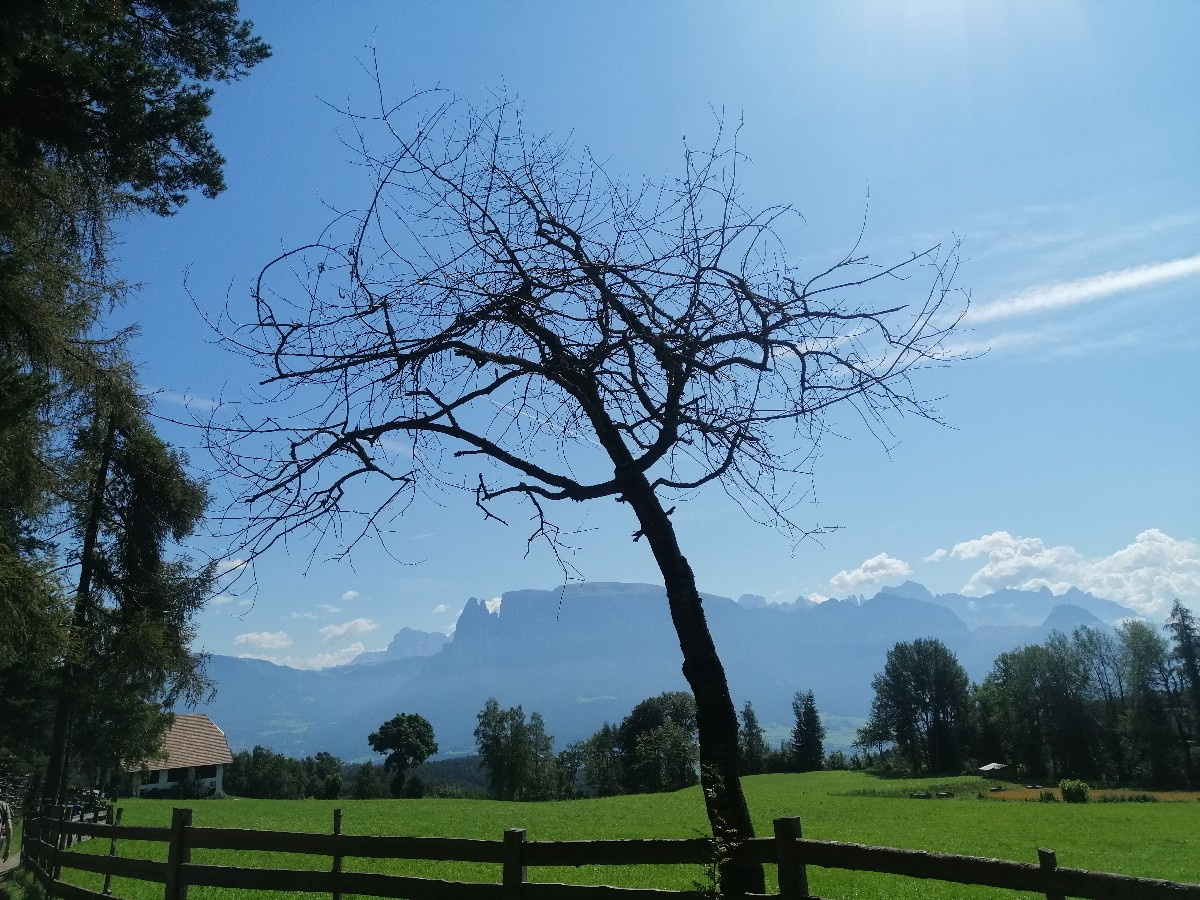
(586, 653)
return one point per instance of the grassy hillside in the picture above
(1160, 840)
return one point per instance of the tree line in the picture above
(653, 749)
(1102, 705)
(1117, 705)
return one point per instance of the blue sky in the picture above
(1059, 140)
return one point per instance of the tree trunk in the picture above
(716, 717)
(55, 786)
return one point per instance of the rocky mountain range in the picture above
(586, 653)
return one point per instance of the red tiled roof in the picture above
(193, 740)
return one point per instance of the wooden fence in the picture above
(48, 841)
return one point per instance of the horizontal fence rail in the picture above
(48, 842)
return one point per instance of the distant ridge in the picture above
(584, 654)
(407, 643)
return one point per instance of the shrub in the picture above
(1047, 796)
(1074, 790)
(1126, 798)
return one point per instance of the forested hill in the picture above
(585, 654)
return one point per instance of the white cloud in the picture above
(226, 566)
(187, 401)
(300, 615)
(936, 556)
(354, 627)
(328, 608)
(441, 609)
(266, 640)
(492, 605)
(814, 597)
(875, 568)
(1147, 575)
(1070, 293)
(320, 661)
(350, 595)
(221, 600)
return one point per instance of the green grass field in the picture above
(1157, 840)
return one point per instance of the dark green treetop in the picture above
(118, 91)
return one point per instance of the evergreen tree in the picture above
(104, 113)
(132, 623)
(752, 747)
(808, 734)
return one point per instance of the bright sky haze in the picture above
(1058, 140)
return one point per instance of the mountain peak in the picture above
(910, 590)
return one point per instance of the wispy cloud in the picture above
(875, 568)
(265, 640)
(187, 401)
(319, 661)
(350, 595)
(1044, 298)
(353, 627)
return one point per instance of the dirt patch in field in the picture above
(1024, 793)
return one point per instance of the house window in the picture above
(177, 775)
(206, 771)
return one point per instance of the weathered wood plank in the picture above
(90, 829)
(144, 869)
(127, 832)
(998, 873)
(66, 891)
(618, 852)
(533, 890)
(347, 845)
(363, 883)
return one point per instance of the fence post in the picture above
(337, 857)
(178, 855)
(1049, 862)
(113, 822)
(60, 839)
(793, 876)
(514, 869)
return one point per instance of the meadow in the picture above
(1155, 840)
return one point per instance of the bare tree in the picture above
(504, 303)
